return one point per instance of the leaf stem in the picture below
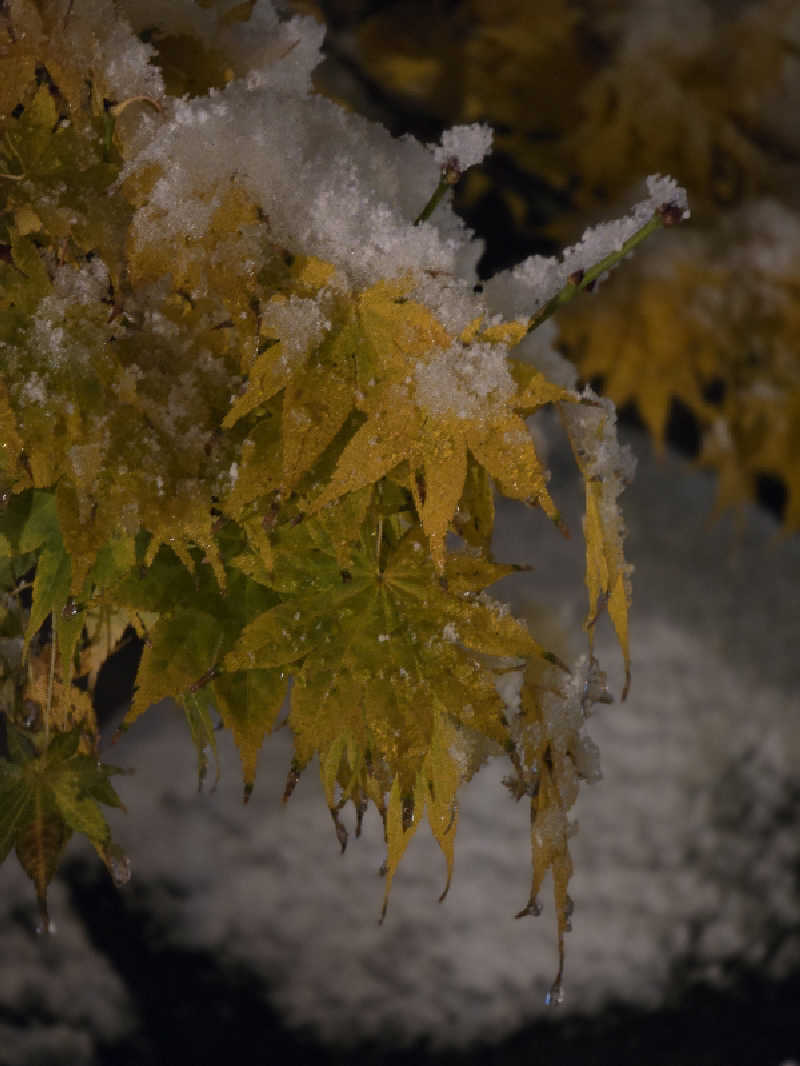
(450, 175)
(433, 203)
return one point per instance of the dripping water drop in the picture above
(555, 997)
(120, 868)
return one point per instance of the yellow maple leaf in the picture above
(431, 400)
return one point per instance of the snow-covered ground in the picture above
(687, 854)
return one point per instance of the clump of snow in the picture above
(452, 300)
(330, 184)
(464, 380)
(665, 190)
(298, 323)
(288, 64)
(58, 332)
(502, 610)
(509, 689)
(593, 431)
(33, 391)
(467, 145)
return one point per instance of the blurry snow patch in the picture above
(82, 287)
(61, 974)
(766, 239)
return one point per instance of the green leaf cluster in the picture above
(49, 790)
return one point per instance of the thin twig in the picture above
(581, 280)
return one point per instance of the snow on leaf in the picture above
(606, 468)
(293, 323)
(430, 401)
(550, 757)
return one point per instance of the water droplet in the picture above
(555, 997)
(120, 867)
(31, 714)
(533, 907)
(48, 927)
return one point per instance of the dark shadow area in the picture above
(192, 1006)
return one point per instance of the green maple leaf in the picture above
(195, 625)
(391, 686)
(46, 794)
(32, 528)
